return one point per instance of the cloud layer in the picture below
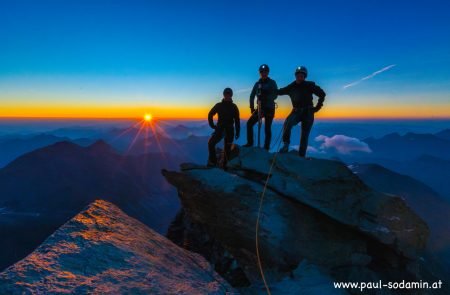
(342, 144)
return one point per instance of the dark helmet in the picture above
(302, 69)
(263, 68)
(228, 90)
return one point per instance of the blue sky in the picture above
(149, 53)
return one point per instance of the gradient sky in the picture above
(173, 58)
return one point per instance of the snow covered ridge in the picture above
(103, 251)
(315, 212)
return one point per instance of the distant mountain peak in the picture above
(392, 135)
(64, 144)
(444, 134)
(181, 126)
(47, 136)
(101, 146)
(159, 134)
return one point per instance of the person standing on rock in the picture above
(228, 121)
(265, 90)
(301, 93)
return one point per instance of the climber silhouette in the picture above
(265, 90)
(301, 93)
(228, 121)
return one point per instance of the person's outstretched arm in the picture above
(284, 90)
(211, 115)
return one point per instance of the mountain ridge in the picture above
(102, 250)
(56, 182)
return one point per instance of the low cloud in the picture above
(310, 149)
(369, 76)
(342, 144)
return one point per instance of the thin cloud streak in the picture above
(370, 76)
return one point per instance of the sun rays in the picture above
(148, 132)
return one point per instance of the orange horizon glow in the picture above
(201, 112)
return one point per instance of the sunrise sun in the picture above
(148, 117)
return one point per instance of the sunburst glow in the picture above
(148, 117)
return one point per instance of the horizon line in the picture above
(199, 119)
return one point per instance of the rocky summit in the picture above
(319, 224)
(103, 251)
(316, 214)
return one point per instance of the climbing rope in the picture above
(261, 201)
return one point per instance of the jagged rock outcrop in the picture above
(314, 210)
(333, 189)
(104, 251)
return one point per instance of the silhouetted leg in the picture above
(213, 140)
(268, 119)
(229, 136)
(250, 123)
(307, 123)
(292, 120)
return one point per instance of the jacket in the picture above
(301, 94)
(228, 114)
(266, 91)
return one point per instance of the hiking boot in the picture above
(248, 144)
(284, 149)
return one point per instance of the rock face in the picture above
(333, 189)
(104, 251)
(315, 211)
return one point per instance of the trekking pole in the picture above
(259, 123)
(259, 114)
